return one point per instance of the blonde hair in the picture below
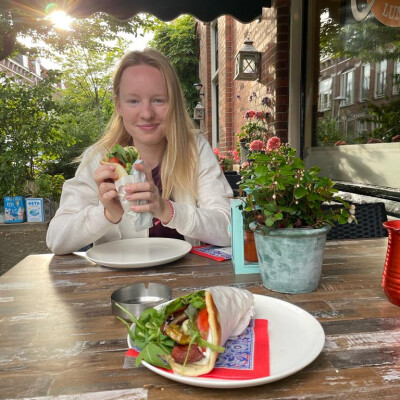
(180, 160)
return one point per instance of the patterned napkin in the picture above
(245, 357)
(214, 252)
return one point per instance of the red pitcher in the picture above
(391, 271)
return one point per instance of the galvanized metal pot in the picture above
(290, 259)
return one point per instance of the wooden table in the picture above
(58, 337)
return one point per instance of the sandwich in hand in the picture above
(122, 158)
(187, 334)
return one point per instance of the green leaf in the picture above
(300, 192)
(151, 354)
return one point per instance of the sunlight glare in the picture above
(61, 19)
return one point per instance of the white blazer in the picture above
(80, 218)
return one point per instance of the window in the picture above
(396, 77)
(361, 127)
(325, 94)
(25, 61)
(37, 68)
(214, 84)
(380, 78)
(364, 81)
(347, 87)
(216, 47)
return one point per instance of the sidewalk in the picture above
(19, 240)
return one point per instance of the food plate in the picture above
(296, 338)
(138, 253)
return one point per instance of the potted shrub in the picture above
(289, 223)
(227, 164)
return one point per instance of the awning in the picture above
(166, 10)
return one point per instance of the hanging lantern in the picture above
(247, 63)
(198, 112)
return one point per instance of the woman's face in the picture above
(143, 103)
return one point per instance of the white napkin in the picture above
(143, 220)
(235, 308)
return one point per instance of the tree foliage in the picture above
(95, 33)
(85, 102)
(177, 40)
(369, 40)
(29, 129)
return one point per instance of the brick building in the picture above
(24, 69)
(293, 74)
(225, 99)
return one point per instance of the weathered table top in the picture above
(58, 337)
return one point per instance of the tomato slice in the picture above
(116, 161)
(202, 323)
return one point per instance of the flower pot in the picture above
(290, 259)
(250, 251)
(391, 271)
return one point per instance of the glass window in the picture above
(364, 81)
(325, 94)
(347, 87)
(361, 58)
(396, 77)
(25, 61)
(362, 127)
(380, 78)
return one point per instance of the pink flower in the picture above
(374, 140)
(256, 145)
(245, 165)
(340, 143)
(273, 143)
(216, 151)
(235, 155)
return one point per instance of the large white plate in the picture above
(138, 253)
(296, 338)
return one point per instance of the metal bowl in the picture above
(138, 297)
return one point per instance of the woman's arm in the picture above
(80, 219)
(208, 220)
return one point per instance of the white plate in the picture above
(296, 338)
(138, 253)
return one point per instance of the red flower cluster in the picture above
(226, 162)
(256, 145)
(273, 143)
(396, 138)
(374, 140)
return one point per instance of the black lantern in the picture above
(198, 87)
(247, 63)
(198, 112)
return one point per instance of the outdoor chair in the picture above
(370, 217)
(233, 178)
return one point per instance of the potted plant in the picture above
(289, 223)
(227, 164)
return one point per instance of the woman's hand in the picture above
(148, 191)
(104, 177)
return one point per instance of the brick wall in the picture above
(270, 35)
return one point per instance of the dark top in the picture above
(158, 229)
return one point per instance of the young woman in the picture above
(186, 189)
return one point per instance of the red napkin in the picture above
(246, 357)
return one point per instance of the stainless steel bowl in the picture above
(138, 297)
